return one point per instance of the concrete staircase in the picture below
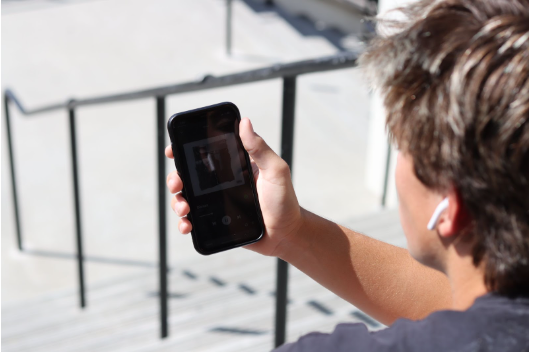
(223, 302)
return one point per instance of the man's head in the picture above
(455, 80)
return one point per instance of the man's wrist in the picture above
(294, 242)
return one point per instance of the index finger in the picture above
(168, 152)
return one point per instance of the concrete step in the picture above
(218, 303)
(120, 304)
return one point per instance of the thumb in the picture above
(262, 154)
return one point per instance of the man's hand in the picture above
(281, 211)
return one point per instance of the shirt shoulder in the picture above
(491, 324)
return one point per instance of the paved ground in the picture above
(54, 50)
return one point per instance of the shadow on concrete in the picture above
(170, 295)
(106, 260)
(239, 331)
(305, 26)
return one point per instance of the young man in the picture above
(454, 75)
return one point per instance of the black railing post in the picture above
(79, 247)
(287, 141)
(228, 26)
(161, 185)
(12, 165)
(386, 177)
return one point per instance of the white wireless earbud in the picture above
(438, 211)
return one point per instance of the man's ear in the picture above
(455, 218)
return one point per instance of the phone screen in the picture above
(217, 177)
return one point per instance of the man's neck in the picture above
(466, 280)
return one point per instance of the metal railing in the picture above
(288, 72)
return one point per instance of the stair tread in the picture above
(218, 303)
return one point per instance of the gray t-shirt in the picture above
(492, 323)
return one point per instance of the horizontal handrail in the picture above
(338, 61)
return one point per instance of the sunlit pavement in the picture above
(52, 51)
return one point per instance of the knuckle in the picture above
(283, 168)
(253, 150)
(259, 140)
(258, 145)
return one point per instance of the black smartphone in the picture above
(218, 181)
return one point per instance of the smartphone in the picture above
(218, 181)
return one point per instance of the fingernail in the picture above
(176, 209)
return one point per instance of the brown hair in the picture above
(455, 80)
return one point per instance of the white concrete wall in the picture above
(377, 149)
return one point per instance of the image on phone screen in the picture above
(211, 165)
